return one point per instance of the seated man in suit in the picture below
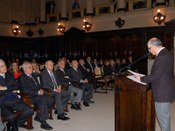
(64, 79)
(88, 65)
(10, 101)
(50, 81)
(2, 127)
(29, 85)
(77, 76)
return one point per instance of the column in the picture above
(89, 7)
(121, 5)
(42, 10)
(63, 9)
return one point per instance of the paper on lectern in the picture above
(135, 73)
(133, 77)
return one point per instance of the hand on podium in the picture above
(136, 77)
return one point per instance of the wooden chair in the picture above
(100, 80)
(25, 99)
(29, 123)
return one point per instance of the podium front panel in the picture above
(133, 106)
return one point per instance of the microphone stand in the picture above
(129, 65)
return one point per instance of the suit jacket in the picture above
(107, 70)
(11, 85)
(62, 76)
(75, 76)
(90, 67)
(28, 85)
(161, 77)
(46, 81)
(83, 70)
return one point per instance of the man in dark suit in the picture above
(83, 69)
(29, 84)
(63, 77)
(50, 81)
(2, 127)
(89, 66)
(76, 76)
(162, 82)
(10, 101)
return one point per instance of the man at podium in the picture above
(162, 82)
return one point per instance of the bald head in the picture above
(155, 42)
(154, 45)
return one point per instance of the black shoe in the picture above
(64, 113)
(4, 129)
(78, 105)
(9, 127)
(37, 118)
(62, 117)
(46, 126)
(55, 112)
(74, 107)
(85, 104)
(12, 126)
(90, 101)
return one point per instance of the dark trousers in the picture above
(44, 103)
(87, 91)
(8, 108)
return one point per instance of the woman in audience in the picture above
(36, 70)
(106, 68)
(14, 69)
(95, 63)
(112, 66)
(117, 65)
(123, 65)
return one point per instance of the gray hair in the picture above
(26, 63)
(48, 62)
(155, 41)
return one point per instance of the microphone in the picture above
(139, 59)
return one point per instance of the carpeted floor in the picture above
(98, 117)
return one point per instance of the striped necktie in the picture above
(53, 80)
(31, 77)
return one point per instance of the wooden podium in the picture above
(134, 106)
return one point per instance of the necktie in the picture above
(53, 80)
(91, 67)
(83, 67)
(30, 76)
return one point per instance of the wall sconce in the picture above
(119, 22)
(87, 25)
(61, 28)
(159, 18)
(16, 31)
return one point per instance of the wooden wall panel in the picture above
(106, 45)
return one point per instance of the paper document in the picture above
(135, 73)
(133, 77)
